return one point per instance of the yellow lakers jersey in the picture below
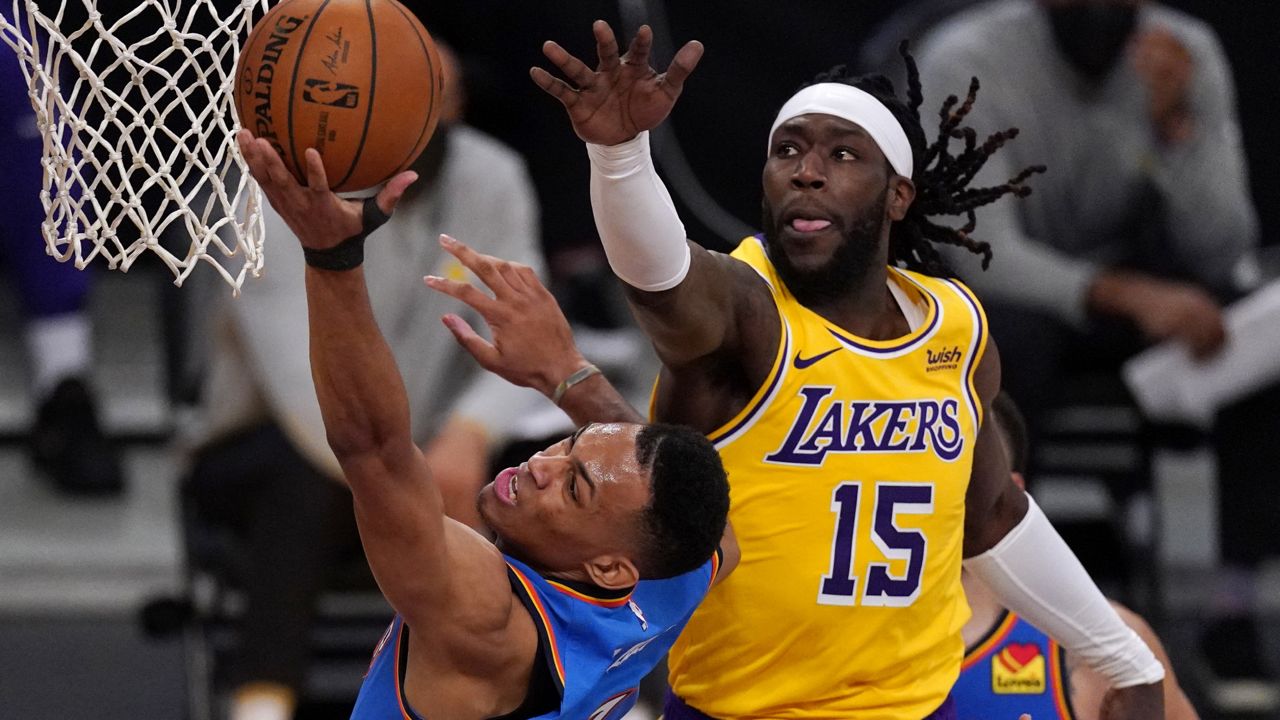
(847, 473)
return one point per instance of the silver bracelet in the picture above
(577, 377)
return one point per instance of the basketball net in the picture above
(134, 103)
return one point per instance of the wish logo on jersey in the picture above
(1018, 669)
(826, 425)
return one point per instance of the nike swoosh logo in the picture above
(802, 363)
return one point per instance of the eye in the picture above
(573, 487)
(785, 149)
(844, 153)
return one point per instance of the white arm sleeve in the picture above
(1036, 575)
(638, 225)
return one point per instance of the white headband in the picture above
(857, 106)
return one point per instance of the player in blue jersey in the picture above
(1011, 666)
(606, 541)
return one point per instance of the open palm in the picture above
(623, 96)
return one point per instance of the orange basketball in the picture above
(358, 80)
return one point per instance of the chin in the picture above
(485, 501)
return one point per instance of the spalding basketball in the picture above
(358, 80)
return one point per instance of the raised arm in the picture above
(685, 298)
(416, 554)
(532, 343)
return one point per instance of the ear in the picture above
(612, 572)
(902, 192)
(1018, 480)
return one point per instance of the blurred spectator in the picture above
(66, 439)
(265, 463)
(1140, 229)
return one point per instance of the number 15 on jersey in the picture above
(880, 587)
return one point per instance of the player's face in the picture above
(825, 188)
(577, 500)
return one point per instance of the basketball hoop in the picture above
(134, 102)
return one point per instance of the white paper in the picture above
(1170, 385)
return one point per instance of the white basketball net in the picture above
(134, 103)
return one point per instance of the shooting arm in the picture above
(399, 508)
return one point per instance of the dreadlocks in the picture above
(941, 178)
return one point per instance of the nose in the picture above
(544, 469)
(810, 173)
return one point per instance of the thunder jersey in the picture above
(847, 473)
(596, 649)
(1016, 669)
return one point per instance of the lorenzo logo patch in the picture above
(1018, 669)
(334, 94)
(948, 358)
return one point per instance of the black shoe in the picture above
(67, 443)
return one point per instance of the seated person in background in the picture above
(1010, 666)
(66, 440)
(1139, 232)
(263, 466)
(606, 541)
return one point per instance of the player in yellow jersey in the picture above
(844, 379)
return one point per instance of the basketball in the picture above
(358, 80)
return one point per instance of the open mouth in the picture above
(507, 486)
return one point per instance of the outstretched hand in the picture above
(623, 96)
(313, 212)
(532, 343)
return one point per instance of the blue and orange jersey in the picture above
(597, 648)
(848, 471)
(1015, 669)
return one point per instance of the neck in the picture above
(867, 309)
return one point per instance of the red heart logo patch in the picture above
(1015, 656)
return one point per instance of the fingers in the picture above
(1208, 341)
(573, 68)
(479, 348)
(317, 181)
(682, 65)
(518, 276)
(606, 46)
(274, 171)
(554, 86)
(641, 45)
(485, 267)
(464, 292)
(390, 194)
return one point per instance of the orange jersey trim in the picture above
(1060, 680)
(600, 602)
(715, 566)
(405, 714)
(996, 637)
(546, 623)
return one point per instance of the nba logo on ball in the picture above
(323, 92)
(358, 80)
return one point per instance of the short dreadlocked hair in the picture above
(941, 178)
